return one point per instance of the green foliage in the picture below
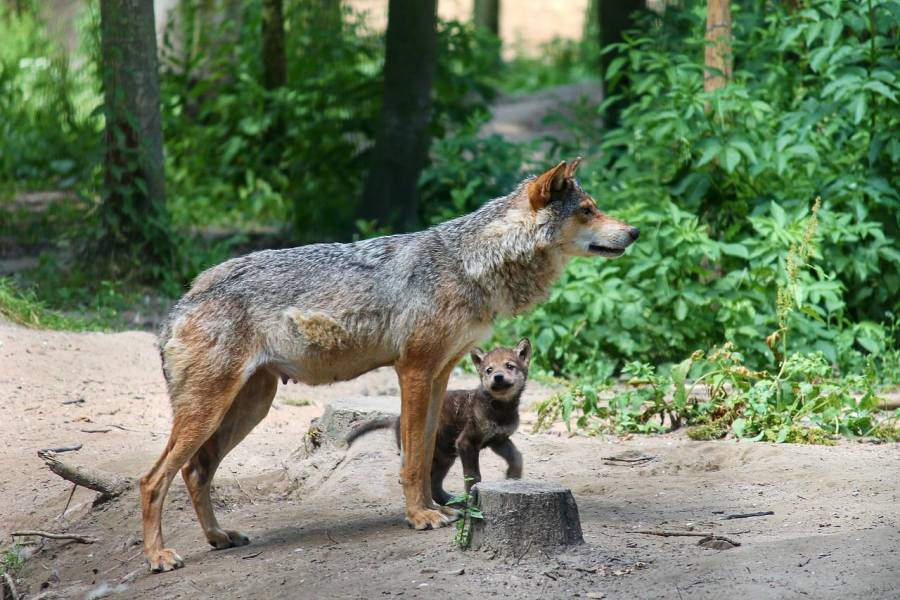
(10, 562)
(721, 196)
(463, 536)
(468, 168)
(24, 308)
(48, 134)
(803, 402)
(239, 153)
(558, 62)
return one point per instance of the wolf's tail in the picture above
(373, 424)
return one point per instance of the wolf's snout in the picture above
(498, 378)
(635, 233)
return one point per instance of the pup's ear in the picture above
(573, 166)
(477, 357)
(541, 190)
(523, 351)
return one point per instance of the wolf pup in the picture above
(472, 420)
(331, 312)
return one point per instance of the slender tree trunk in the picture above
(486, 14)
(273, 58)
(133, 212)
(401, 146)
(616, 17)
(718, 44)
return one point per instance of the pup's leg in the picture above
(508, 451)
(439, 469)
(249, 408)
(468, 455)
(199, 406)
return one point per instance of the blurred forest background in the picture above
(754, 142)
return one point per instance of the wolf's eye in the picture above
(587, 211)
(511, 366)
(489, 370)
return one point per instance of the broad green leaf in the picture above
(731, 159)
(738, 250)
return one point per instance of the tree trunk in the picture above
(616, 17)
(718, 44)
(522, 515)
(486, 14)
(401, 146)
(273, 57)
(133, 212)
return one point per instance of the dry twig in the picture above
(66, 448)
(81, 539)
(670, 533)
(10, 584)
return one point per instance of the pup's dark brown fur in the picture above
(472, 420)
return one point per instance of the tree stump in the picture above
(332, 428)
(520, 515)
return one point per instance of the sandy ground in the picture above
(331, 526)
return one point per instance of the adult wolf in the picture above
(330, 312)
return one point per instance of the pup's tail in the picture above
(373, 424)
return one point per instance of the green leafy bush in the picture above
(48, 134)
(238, 153)
(721, 195)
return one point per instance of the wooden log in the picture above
(109, 485)
(520, 515)
(340, 416)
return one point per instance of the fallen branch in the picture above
(81, 539)
(670, 533)
(764, 513)
(66, 448)
(109, 485)
(890, 404)
(14, 595)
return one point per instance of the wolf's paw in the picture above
(164, 560)
(228, 538)
(429, 518)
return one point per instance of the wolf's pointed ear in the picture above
(477, 357)
(573, 166)
(540, 192)
(523, 351)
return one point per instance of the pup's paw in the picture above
(228, 538)
(451, 512)
(164, 560)
(429, 518)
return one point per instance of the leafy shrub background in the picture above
(721, 195)
(720, 184)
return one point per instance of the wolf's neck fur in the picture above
(509, 257)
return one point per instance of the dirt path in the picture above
(331, 526)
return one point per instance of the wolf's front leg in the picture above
(419, 410)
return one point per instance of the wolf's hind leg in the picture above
(249, 408)
(199, 408)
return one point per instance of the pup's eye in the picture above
(587, 211)
(489, 370)
(511, 366)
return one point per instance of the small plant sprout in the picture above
(463, 536)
